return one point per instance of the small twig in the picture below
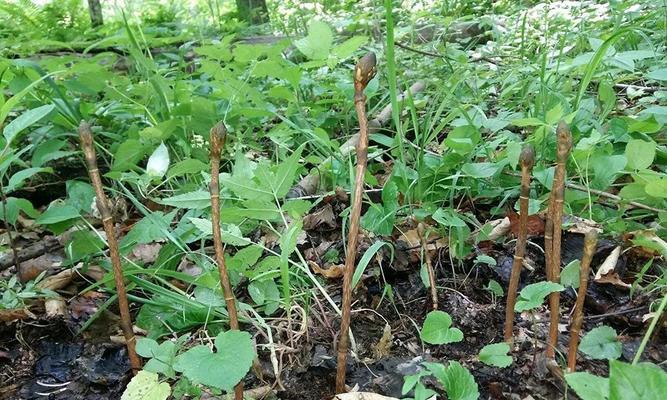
(527, 160)
(564, 141)
(218, 135)
(86, 136)
(429, 266)
(363, 73)
(590, 244)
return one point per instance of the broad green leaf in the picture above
(588, 386)
(161, 356)
(128, 154)
(437, 329)
(82, 244)
(281, 180)
(14, 206)
(158, 162)
(48, 151)
(532, 296)
(145, 386)
(643, 381)
(222, 369)
(196, 200)
(348, 47)
(24, 121)
(80, 195)
(380, 219)
(457, 380)
(481, 170)
(658, 74)
(640, 153)
(496, 355)
(57, 212)
(21, 176)
(187, 166)
(151, 228)
(448, 218)
(463, 139)
(601, 343)
(554, 115)
(569, 276)
(317, 44)
(231, 234)
(495, 288)
(657, 188)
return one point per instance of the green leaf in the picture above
(317, 44)
(569, 276)
(481, 170)
(145, 386)
(643, 381)
(231, 234)
(496, 355)
(523, 122)
(187, 166)
(21, 176)
(601, 343)
(161, 356)
(222, 369)
(348, 47)
(588, 386)
(437, 329)
(640, 153)
(532, 296)
(495, 288)
(128, 154)
(658, 74)
(48, 151)
(657, 188)
(24, 121)
(57, 212)
(14, 206)
(196, 200)
(457, 380)
(380, 219)
(281, 181)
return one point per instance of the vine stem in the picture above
(218, 135)
(527, 160)
(590, 244)
(87, 145)
(364, 71)
(564, 142)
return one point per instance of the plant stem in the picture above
(218, 135)
(564, 140)
(363, 73)
(429, 266)
(8, 228)
(86, 136)
(527, 160)
(651, 328)
(590, 244)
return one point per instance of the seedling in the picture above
(218, 135)
(527, 160)
(590, 243)
(86, 136)
(553, 232)
(363, 73)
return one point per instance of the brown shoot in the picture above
(590, 244)
(429, 266)
(564, 142)
(218, 135)
(88, 147)
(363, 73)
(527, 160)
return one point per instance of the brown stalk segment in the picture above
(590, 244)
(86, 136)
(218, 135)
(527, 160)
(363, 73)
(429, 266)
(564, 140)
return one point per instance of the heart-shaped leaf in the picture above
(145, 386)
(601, 343)
(437, 329)
(532, 296)
(496, 355)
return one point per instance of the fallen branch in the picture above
(309, 184)
(527, 161)
(363, 73)
(86, 136)
(590, 244)
(42, 247)
(555, 216)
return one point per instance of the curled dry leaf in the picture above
(59, 280)
(580, 225)
(607, 272)
(535, 225)
(55, 307)
(501, 227)
(323, 219)
(383, 347)
(334, 272)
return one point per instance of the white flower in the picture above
(158, 162)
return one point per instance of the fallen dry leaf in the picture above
(334, 272)
(535, 224)
(580, 225)
(55, 307)
(59, 280)
(382, 348)
(323, 218)
(607, 273)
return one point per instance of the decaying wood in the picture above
(429, 266)
(309, 184)
(218, 135)
(590, 244)
(527, 160)
(44, 246)
(86, 136)
(555, 215)
(363, 73)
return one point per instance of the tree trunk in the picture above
(95, 9)
(253, 12)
